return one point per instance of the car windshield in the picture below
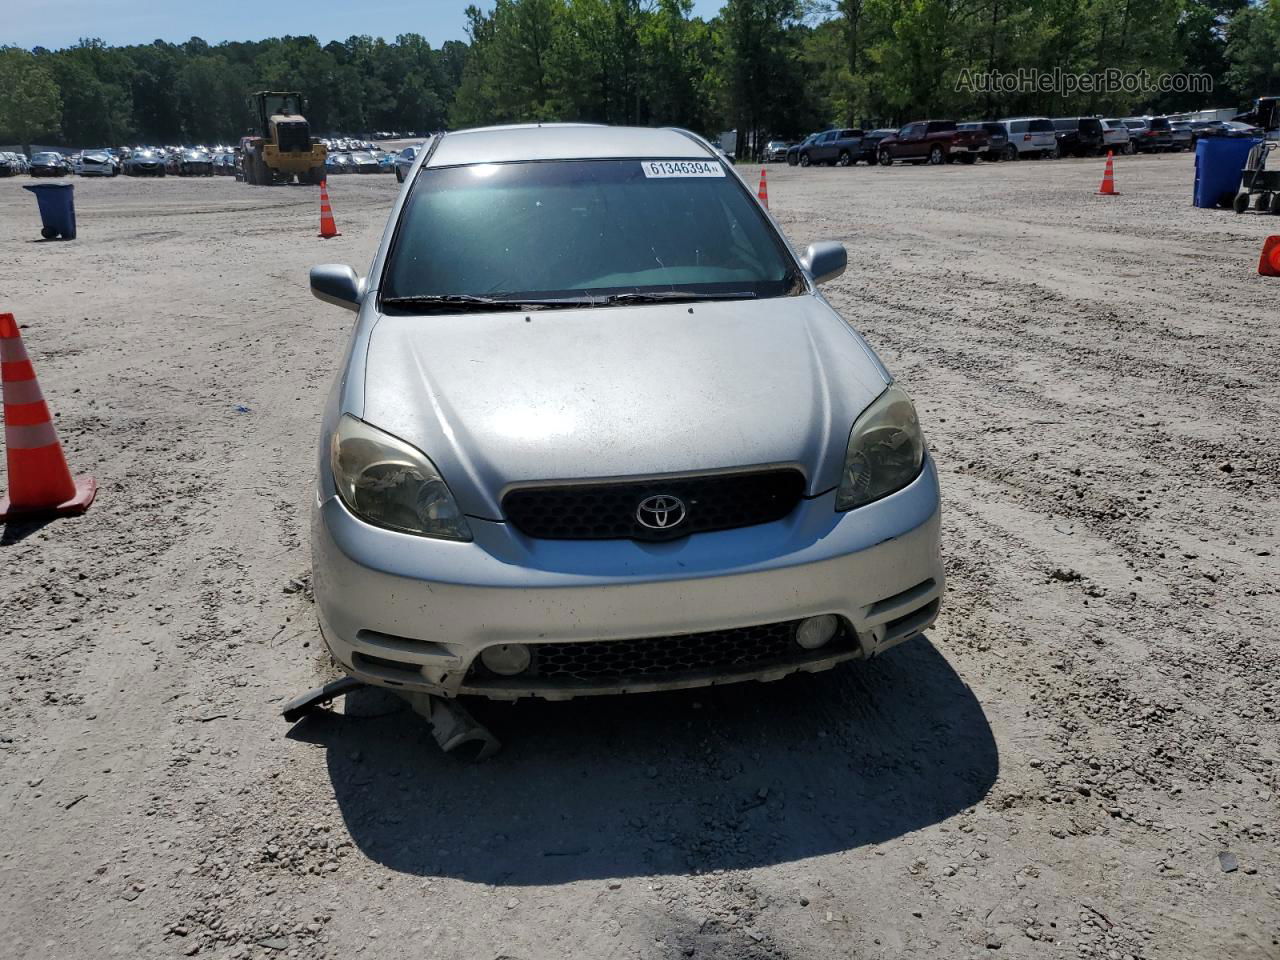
(46, 157)
(584, 228)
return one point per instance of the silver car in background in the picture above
(404, 160)
(1116, 136)
(1033, 137)
(96, 163)
(597, 432)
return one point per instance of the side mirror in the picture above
(824, 261)
(336, 283)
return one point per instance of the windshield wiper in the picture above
(675, 296)
(459, 302)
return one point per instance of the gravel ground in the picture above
(1079, 761)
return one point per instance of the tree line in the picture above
(764, 67)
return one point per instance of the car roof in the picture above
(563, 141)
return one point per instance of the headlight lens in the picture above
(391, 484)
(886, 449)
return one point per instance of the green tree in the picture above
(31, 104)
(677, 53)
(508, 73)
(1253, 50)
(760, 67)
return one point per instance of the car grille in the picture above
(665, 659)
(608, 511)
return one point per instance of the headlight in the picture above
(391, 484)
(886, 449)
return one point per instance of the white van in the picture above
(1030, 137)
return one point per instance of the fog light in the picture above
(507, 659)
(815, 632)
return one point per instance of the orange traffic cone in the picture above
(327, 227)
(40, 485)
(1108, 187)
(763, 192)
(1269, 262)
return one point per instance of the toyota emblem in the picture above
(660, 512)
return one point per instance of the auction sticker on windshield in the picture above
(682, 168)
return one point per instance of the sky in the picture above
(60, 23)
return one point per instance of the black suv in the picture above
(996, 133)
(1079, 136)
(871, 144)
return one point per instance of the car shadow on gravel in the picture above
(725, 778)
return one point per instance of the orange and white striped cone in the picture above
(1108, 186)
(1269, 262)
(40, 485)
(763, 192)
(327, 227)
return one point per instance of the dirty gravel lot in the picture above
(1079, 761)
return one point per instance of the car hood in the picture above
(506, 398)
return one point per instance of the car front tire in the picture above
(885, 158)
(804, 160)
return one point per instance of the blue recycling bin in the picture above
(1219, 163)
(57, 209)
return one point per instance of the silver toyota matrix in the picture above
(597, 431)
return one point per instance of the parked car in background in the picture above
(404, 160)
(997, 137)
(1205, 128)
(144, 162)
(1150, 134)
(224, 165)
(96, 163)
(195, 163)
(839, 147)
(1236, 128)
(1078, 136)
(1030, 137)
(793, 151)
(1115, 136)
(49, 164)
(647, 536)
(338, 163)
(1183, 136)
(362, 161)
(12, 164)
(870, 146)
(776, 150)
(932, 141)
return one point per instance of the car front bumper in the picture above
(415, 613)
